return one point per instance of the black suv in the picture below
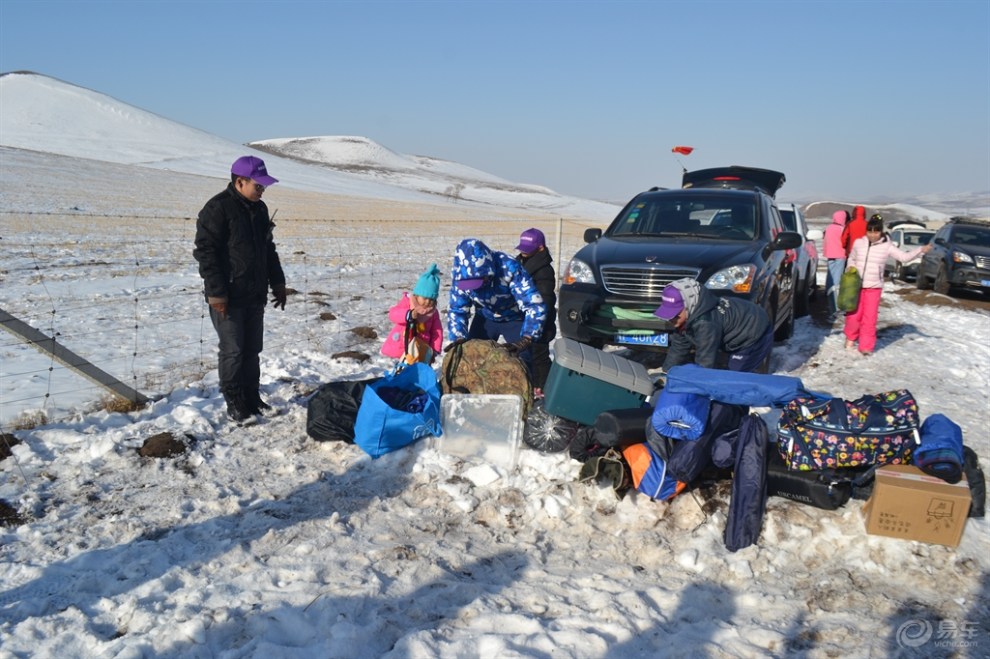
(722, 228)
(960, 257)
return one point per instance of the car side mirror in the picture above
(784, 240)
(940, 241)
(787, 240)
(591, 235)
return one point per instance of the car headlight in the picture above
(737, 278)
(960, 257)
(578, 272)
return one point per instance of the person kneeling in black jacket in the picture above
(708, 323)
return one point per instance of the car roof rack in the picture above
(962, 219)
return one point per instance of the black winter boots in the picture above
(238, 409)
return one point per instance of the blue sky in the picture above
(853, 100)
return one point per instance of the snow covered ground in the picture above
(260, 542)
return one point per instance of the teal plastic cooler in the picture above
(585, 381)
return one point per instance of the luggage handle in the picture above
(838, 415)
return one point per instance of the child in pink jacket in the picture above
(868, 256)
(417, 331)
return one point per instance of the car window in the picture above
(976, 236)
(776, 224)
(789, 219)
(912, 239)
(698, 217)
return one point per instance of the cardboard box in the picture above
(584, 382)
(909, 504)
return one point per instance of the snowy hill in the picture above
(42, 114)
(363, 157)
(821, 211)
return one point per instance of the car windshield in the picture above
(702, 217)
(914, 239)
(969, 235)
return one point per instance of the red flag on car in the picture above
(685, 150)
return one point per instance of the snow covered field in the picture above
(260, 542)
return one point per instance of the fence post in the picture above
(66, 357)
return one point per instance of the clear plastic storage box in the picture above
(481, 427)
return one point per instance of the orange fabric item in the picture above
(639, 459)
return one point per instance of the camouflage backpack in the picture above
(480, 366)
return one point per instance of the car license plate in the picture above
(985, 282)
(659, 340)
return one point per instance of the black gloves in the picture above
(519, 346)
(278, 298)
(454, 344)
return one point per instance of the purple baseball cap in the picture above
(672, 305)
(531, 240)
(470, 284)
(254, 169)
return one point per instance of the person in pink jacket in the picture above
(417, 330)
(868, 256)
(835, 253)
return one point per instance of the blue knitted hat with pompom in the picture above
(428, 285)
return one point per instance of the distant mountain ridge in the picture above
(822, 211)
(43, 114)
(361, 155)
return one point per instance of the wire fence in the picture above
(124, 292)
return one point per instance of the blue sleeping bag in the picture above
(736, 387)
(744, 450)
(941, 450)
(680, 416)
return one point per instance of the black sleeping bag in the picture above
(331, 411)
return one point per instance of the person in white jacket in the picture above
(868, 256)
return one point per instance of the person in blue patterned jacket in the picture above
(507, 302)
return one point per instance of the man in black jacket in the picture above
(535, 257)
(238, 263)
(709, 323)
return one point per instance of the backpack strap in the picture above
(451, 364)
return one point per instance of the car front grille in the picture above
(643, 282)
(983, 262)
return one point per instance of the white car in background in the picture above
(805, 257)
(906, 236)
